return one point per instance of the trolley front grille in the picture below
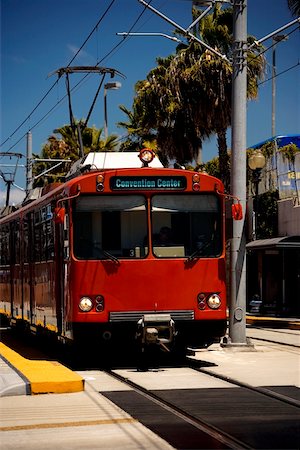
(134, 316)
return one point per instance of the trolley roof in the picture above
(111, 160)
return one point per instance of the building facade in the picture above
(273, 264)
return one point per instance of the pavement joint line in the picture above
(43, 377)
(82, 423)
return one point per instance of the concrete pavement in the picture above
(87, 419)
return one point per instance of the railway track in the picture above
(200, 405)
(239, 416)
(217, 437)
(283, 337)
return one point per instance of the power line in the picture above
(113, 50)
(56, 82)
(79, 83)
(30, 114)
(280, 73)
(272, 45)
(125, 37)
(93, 30)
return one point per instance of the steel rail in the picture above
(258, 390)
(201, 425)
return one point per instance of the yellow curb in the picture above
(289, 324)
(44, 376)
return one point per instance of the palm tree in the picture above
(67, 147)
(294, 6)
(91, 139)
(159, 110)
(187, 97)
(136, 137)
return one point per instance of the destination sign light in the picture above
(146, 183)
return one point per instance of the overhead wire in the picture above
(76, 85)
(280, 73)
(113, 50)
(268, 48)
(56, 82)
(273, 44)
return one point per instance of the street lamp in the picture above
(114, 86)
(275, 39)
(256, 163)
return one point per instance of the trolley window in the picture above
(5, 247)
(109, 226)
(16, 255)
(186, 225)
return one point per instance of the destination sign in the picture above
(147, 183)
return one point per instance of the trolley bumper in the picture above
(156, 329)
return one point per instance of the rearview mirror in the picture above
(237, 211)
(59, 215)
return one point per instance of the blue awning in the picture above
(281, 141)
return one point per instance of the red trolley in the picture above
(125, 251)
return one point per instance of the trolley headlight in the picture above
(214, 301)
(85, 304)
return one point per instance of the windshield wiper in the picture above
(197, 253)
(110, 256)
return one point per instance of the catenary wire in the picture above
(280, 73)
(77, 85)
(114, 49)
(56, 82)
(273, 44)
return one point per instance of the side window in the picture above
(37, 237)
(29, 248)
(43, 234)
(66, 236)
(16, 242)
(26, 239)
(49, 233)
(4, 245)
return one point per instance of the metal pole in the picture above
(273, 87)
(275, 39)
(259, 41)
(105, 114)
(29, 162)
(9, 183)
(257, 180)
(237, 321)
(186, 32)
(172, 38)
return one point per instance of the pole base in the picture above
(247, 346)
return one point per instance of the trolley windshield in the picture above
(109, 226)
(116, 226)
(186, 225)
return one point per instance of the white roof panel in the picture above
(112, 160)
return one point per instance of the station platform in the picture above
(273, 322)
(22, 376)
(19, 375)
(91, 419)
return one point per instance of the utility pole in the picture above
(237, 320)
(237, 323)
(275, 39)
(29, 179)
(9, 177)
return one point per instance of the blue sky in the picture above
(40, 36)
